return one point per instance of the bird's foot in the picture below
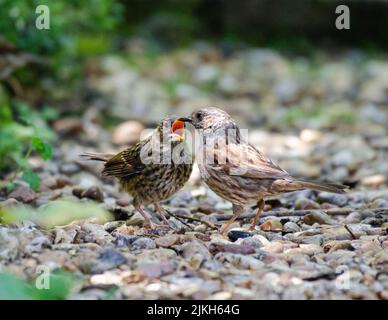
(251, 228)
(224, 229)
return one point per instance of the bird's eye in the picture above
(199, 116)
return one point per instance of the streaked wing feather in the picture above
(248, 162)
(125, 163)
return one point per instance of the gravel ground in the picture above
(309, 245)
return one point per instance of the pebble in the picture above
(23, 194)
(337, 199)
(232, 248)
(96, 233)
(168, 240)
(122, 202)
(94, 193)
(233, 235)
(156, 269)
(291, 227)
(353, 217)
(304, 204)
(68, 126)
(158, 255)
(69, 168)
(107, 260)
(143, 243)
(317, 217)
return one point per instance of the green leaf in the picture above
(44, 149)
(12, 288)
(59, 287)
(32, 179)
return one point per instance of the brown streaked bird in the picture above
(153, 169)
(237, 171)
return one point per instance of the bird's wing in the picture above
(125, 163)
(246, 161)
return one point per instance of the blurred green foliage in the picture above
(55, 213)
(70, 22)
(23, 132)
(77, 30)
(13, 288)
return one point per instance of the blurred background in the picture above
(314, 98)
(107, 69)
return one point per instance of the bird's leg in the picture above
(147, 219)
(259, 210)
(160, 210)
(237, 210)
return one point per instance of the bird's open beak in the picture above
(178, 130)
(185, 119)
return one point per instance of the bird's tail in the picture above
(97, 156)
(323, 186)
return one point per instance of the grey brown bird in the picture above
(152, 170)
(237, 171)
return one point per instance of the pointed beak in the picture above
(185, 119)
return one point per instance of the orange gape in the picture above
(178, 127)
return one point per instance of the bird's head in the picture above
(210, 118)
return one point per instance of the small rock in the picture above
(337, 199)
(305, 204)
(122, 202)
(143, 243)
(24, 194)
(66, 234)
(195, 253)
(273, 247)
(271, 225)
(107, 278)
(239, 261)
(255, 242)
(94, 193)
(53, 258)
(156, 269)
(383, 294)
(78, 192)
(37, 244)
(291, 227)
(315, 239)
(158, 255)
(353, 217)
(123, 240)
(96, 233)
(201, 228)
(379, 203)
(374, 181)
(317, 217)
(108, 259)
(69, 168)
(233, 235)
(167, 241)
(68, 126)
(334, 245)
(231, 248)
